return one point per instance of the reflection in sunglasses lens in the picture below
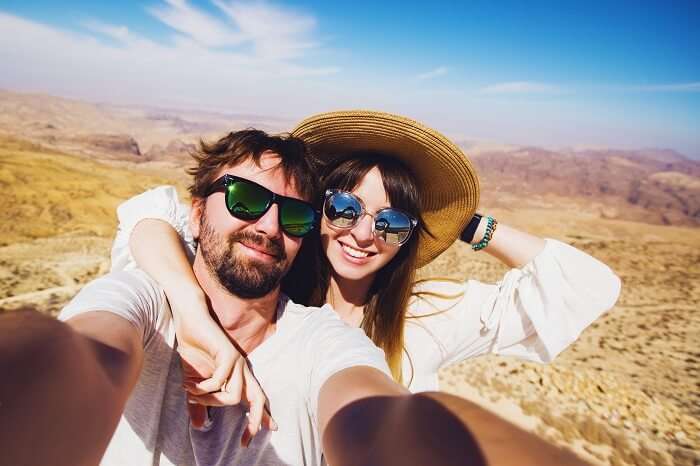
(296, 218)
(342, 210)
(246, 200)
(394, 225)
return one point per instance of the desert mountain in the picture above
(647, 185)
(130, 133)
(175, 150)
(49, 193)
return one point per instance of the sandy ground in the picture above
(627, 392)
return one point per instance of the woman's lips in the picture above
(355, 255)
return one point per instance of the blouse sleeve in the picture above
(160, 203)
(534, 312)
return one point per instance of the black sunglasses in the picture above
(247, 200)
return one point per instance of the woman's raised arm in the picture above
(551, 293)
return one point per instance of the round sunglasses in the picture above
(247, 200)
(343, 210)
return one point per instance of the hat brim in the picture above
(447, 181)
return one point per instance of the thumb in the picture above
(218, 379)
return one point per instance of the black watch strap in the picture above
(468, 234)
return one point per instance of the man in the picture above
(106, 385)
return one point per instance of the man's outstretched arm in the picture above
(367, 419)
(63, 381)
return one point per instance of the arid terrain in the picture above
(626, 393)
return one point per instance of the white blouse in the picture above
(533, 313)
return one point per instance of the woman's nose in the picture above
(362, 231)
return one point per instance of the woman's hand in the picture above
(215, 372)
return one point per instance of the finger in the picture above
(267, 420)
(234, 385)
(196, 364)
(193, 389)
(207, 386)
(216, 382)
(246, 438)
(256, 399)
(215, 399)
(256, 414)
(197, 413)
(194, 369)
(230, 394)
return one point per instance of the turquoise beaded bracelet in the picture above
(491, 224)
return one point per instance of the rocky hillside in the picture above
(660, 187)
(129, 133)
(175, 150)
(47, 193)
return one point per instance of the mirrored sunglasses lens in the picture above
(393, 226)
(246, 201)
(342, 210)
(297, 218)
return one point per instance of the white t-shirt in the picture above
(534, 312)
(308, 346)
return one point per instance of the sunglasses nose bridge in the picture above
(363, 230)
(269, 222)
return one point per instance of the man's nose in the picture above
(269, 224)
(362, 231)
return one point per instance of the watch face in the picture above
(468, 234)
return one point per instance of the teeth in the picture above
(354, 252)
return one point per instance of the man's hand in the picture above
(367, 419)
(215, 373)
(64, 385)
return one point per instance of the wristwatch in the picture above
(468, 234)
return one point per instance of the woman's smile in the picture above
(355, 254)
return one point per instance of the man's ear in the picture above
(196, 213)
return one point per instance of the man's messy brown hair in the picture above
(249, 144)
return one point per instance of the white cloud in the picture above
(532, 87)
(195, 24)
(521, 87)
(112, 63)
(439, 71)
(678, 87)
(118, 33)
(276, 33)
(273, 32)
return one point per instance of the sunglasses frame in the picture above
(363, 211)
(222, 183)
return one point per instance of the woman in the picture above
(395, 195)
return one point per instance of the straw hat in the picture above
(447, 182)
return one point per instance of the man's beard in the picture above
(242, 276)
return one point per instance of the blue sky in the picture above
(617, 74)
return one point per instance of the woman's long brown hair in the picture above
(388, 297)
